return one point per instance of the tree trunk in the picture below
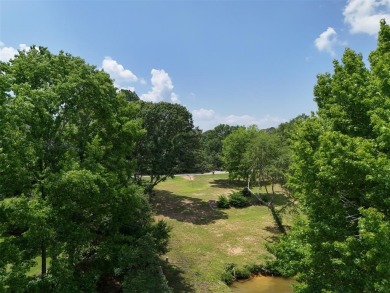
(266, 189)
(43, 254)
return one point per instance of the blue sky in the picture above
(236, 62)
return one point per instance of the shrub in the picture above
(228, 278)
(228, 275)
(245, 192)
(238, 201)
(257, 269)
(230, 267)
(263, 269)
(223, 202)
(243, 273)
(265, 198)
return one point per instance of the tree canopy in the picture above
(256, 156)
(169, 144)
(340, 174)
(212, 145)
(66, 139)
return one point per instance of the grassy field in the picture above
(203, 238)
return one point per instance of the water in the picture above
(263, 284)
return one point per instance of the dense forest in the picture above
(79, 160)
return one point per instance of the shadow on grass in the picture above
(226, 183)
(176, 281)
(275, 234)
(185, 209)
(279, 199)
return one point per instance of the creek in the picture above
(262, 284)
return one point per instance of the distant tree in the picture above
(261, 158)
(234, 148)
(286, 130)
(256, 156)
(65, 191)
(267, 158)
(340, 174)
(212, 145)
(169, 143)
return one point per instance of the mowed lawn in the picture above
(203, 238)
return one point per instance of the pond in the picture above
(261, 284)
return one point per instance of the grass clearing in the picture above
(203, 238)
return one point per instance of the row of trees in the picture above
(340, 176)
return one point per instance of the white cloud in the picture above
(162, 88)
(24, 47)
(122, 77)
(8, 53)
(207, 119)
(363, 16)
(326, 41)
(174, 98)
(240, 120)
(203, 114)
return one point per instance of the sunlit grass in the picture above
(203, 238)
(37, 269)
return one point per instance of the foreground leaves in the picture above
(340, 173)
(65, 168)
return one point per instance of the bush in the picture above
(227, 278)
(255, 269)
(230, 267)
(245, 192)
(223, 202)
(264, 269)
(265, 198)
(243, 273)
(228, 275)
(238, 201)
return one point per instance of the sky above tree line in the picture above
(234, 62)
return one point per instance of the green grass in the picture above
(37, 269)
(203, 238)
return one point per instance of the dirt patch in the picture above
(235, 250)
(187, 177)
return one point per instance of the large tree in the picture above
(234, 147)
(257, 156)
(66, 137)
(169, 144)
(340, 174)
(267, 159)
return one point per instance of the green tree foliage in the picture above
(340, 173)
(128, 95)
(233, 152)
(169, 145)
(267, 158)
(286, 130)
(257, 156)
(65, 169)
(212, 145)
